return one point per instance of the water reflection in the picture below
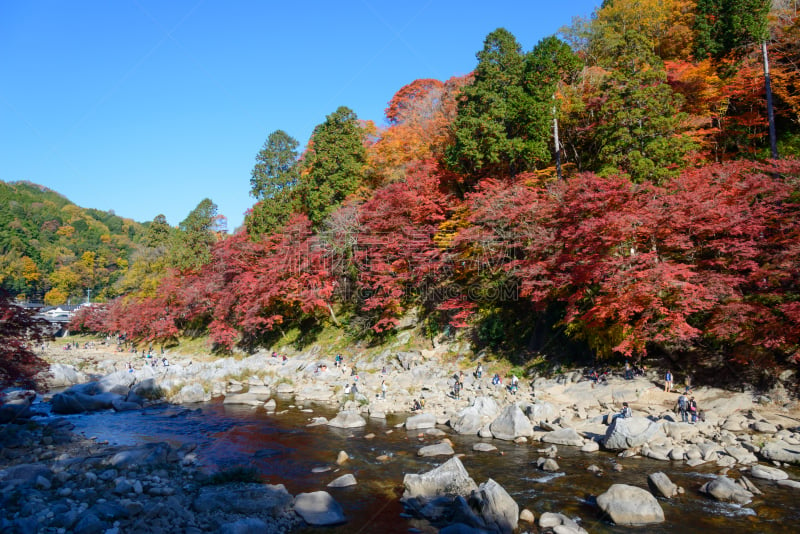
(285, 451)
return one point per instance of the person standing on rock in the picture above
(693, 409)
(683, 408)
(688, 389)
(479, 371)
(457, 389)
(383, 389)
(668, 382)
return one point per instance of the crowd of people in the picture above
(686, 405)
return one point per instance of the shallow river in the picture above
(285, 451)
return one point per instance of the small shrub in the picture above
(158, 393)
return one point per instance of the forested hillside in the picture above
(52, 250)
(614, 189)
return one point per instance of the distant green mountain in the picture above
(53, 250)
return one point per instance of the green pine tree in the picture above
(272, 182)
(191, 244)
(333, 166)
(639, 130)
(729, 26)
(490, 132)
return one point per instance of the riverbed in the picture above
(284, 450)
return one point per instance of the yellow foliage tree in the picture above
(29, 270)
(64, 279)
(55, 296)
(66, 231)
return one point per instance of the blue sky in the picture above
(148, 106)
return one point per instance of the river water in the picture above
(285, 451)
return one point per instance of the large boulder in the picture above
(343, 481)
(319, 509)
(564, 436)
(119, 382)
(24, 475)
(191, 394)
(409, 359)
(629, 505)
(556, 522)
(256, 395)
(740, 454)
(122, 405)
(422, 420)
(486, 406)
(437, 449)
(60, 375)
(450, 478)
(16, 406)
(471, 419)
(660, 484)
(315, 392)
(765, 472)
(148, 454)
(764, 427)
(73, 401)
(725, 406)
(780, 451)
(493, 503)
(625, 433)
(724, 489)
(511, 424)
(147, 388)
(347, 419)
(541, 412)
(467, 421)
(242, 398)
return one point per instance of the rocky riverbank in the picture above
(752, 439)
(53, 480)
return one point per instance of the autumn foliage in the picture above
(671, 233)
(20, 331)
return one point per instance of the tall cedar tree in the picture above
(158, 232)
(272, 182)
(722, 27)
(195, 235)
(19, 329)
(493, 134)
(550, 63)
(639, 129)
(333, 166)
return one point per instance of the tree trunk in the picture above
(557, 144)
(773, 143)
(333, 315)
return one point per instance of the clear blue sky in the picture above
(148, 106)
